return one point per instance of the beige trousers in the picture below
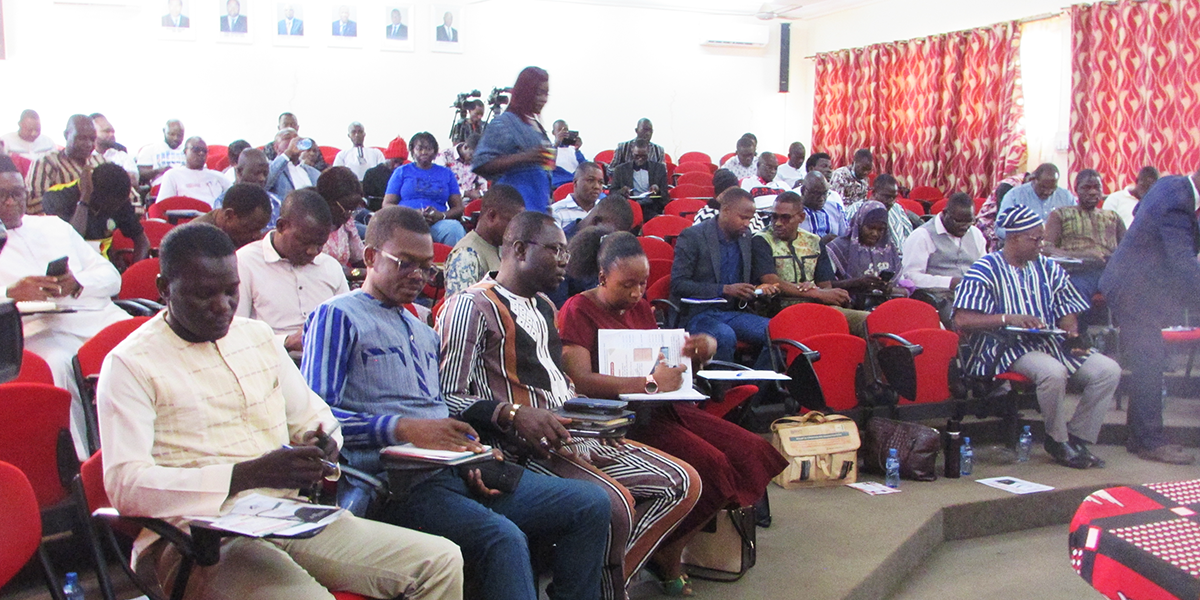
(351, 555)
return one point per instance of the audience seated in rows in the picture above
(939, 253)
(343, 193)
(458, 158)
(851, 181)
(793, 171)
(28, 140)
(98, 205)
(567, 156)
(288, 172)
(284, 276)
(155, 159)
(642, 178)
(800, 262)
(429, 188)
(359, 158)
(644, 130)
(866, 261)
(488, 325)
(713, 261)
(243, 215)
(66, 165)
(824, 213)
(1084, 233)
(112, 151)
(900, 221)
(478, 253)
(193, 178)
(589, 186)
(763, 186)
(1125, 200)
(89, 283)
(734, 464)
(198, 368)
(724, 179)
(393, 396)
(253, 169)
(744, 163)
(1042, 195)
(1019, 287)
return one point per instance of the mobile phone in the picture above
(887, 275)
(57, 267)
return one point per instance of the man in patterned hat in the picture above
(1020, 311)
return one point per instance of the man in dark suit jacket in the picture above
(446, 33)
(233, 21)
(175, 16)
(1154, 272)
(290, 25)
(397, 30)
(656, 180)
(713, 260)
(344, 27)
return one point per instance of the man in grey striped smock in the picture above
(1018, 288)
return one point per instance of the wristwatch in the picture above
(651, 384)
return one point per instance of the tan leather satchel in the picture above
(821, 450)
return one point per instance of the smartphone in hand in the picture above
(57, 267)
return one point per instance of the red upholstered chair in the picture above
(22, 163)
(658, 269)
(159, 209)
(666, 227)
(36, 450)
(903, 314)
(918, 323)
(693, 167)
(694, 157)
(790, 331)
(87, 363)
(925, 193)
(699, 178)
(329, 153)
(685, 207)
(691, 191)
(218, 157)
(138, 281)
(604, 157)
(801, 321)
(667, 159)
(781, 158)
(155, 230)
(638, 217)
(563, 191)
(471, 211)
(20, 522)
(34, 369)
(840, 356)
(725, 159)
(154, 191)
(666, 313)
(979, 202)
(435, 289)
(657, 249)
(912, 205)
(937, 207)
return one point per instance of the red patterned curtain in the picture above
(1135, 89)
(944, 110)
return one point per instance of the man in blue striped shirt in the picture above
(1009, 302)
(377, 366)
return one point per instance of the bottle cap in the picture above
(967, 440)
(892, 452)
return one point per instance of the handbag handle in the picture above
(812, 417)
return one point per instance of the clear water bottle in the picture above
(72, 590)
(893, 470)
(966, 458)
(1024, 445)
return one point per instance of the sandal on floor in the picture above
(679, 587)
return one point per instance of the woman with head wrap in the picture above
(865, 260)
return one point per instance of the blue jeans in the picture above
(730, 327)
(447, 231)
(493, 533)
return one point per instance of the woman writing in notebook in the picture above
(735, 465)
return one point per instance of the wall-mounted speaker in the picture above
(785, 54)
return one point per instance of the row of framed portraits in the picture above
(309, 23)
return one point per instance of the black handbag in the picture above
(916, 446)
(725, 548)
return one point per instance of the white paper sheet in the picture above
(1014, 485)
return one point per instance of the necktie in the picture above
(343, 29)
(393, 30)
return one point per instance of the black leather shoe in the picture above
(1065, 455)
(1081, 448)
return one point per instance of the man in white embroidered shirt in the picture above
(199, 407)
(939, 253)
(285, 275)
(358, 158)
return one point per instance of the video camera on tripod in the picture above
(498, 98)
(460, 102)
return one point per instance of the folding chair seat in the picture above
(701, 178)
(684, 207)
(159, 209)
(666, 227)
(34, 369)
(656, 249)
(87, 362)
(659, 269)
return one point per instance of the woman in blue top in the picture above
(429, 188)
(515, 149)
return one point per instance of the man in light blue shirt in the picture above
(1042, 195)
(377, 366)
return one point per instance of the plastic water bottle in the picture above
(72, 590)
(966, 458)
(893, 470)
(1024, 445)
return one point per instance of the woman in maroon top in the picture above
(735, 465)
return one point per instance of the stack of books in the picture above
(597, 418)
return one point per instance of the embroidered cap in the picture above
(1019, 218)
(397, 149)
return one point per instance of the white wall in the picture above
(608, 67)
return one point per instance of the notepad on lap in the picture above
(442, 457)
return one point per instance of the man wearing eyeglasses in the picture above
(939, 253)
(377, 366)
(285, 275)
(823, 215)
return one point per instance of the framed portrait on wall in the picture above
(289, 24)
(398, 32)
(234, 23)
(344, 30)
(447, 22)
(1, 29)
(174, 20)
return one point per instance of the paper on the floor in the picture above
(1014, 485)
(873, 488)
(257, 515)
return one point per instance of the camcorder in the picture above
(460, 102)
(499, 97)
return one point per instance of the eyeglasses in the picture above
(405, 268)
(17, 194)
(560, 251)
